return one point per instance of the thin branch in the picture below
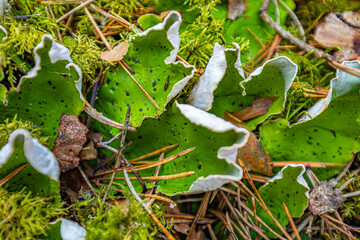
(291, 221)
(87, 180)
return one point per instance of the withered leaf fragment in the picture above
(259, 107)
(69, 142)
(117, 53)
(252, 154)
(236, 9)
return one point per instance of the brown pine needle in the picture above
(118, 19)
(150, 165)
(306, 164)
(261, 201)
(156, 152)
(105, 29)
(276, 41)
(53, 17)
(339, 229)
(314, 95)
(84, 4)
(256, 38)
(154, 178)
(258, 178)
(341, 223)
(291, 221)
(11, 175)
(59, 2)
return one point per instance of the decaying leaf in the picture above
(259, 107)
(70, 141)
(252, 154)
(88, 152)
(117, 53)
(342, 30)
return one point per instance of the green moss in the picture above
(311, 11)
(312, 72)
(120, 221)
(8, 127)
(23, 216)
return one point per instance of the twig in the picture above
(295, 19)
(260, 200)
(84, 4)
(12, 174)
(306, 164)
(158, 151)
(101, 118)
(211, 232)
(119, 155)
(53, 17)
(301, 44)
(154, 178)
(201, 213)
(87, 180)
(291, 221)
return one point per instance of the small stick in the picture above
(12, 174)
(291, 221)
(247, 209)
(351, 194)
(306, 164)
(105, 29)
(26, 16)
(68, 22)
(58, 2)
(343, 172)
(232, 209)
(260, 200)
(341, 223)
(161, 150)
(146, 166)
(121, 61)
(295, 19)
(211, 232)
(87, 2)
(274, 44)
(134, 193)
(87, 180)
(53, 17)
(154, 178)
(119, 155)
(314, 95)
(101, 118)
(301, 44)
(201, 213)
(256, 38)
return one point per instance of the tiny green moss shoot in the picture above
(24, 216)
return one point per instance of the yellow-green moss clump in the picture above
(24, 216)
(8, 127)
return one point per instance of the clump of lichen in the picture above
(24, 216)
(124, 220)
(9, 126)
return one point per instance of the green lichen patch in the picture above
(49, 89)
(222, 87)
(332, 135)
(152, 57)
(41, 173)
(213, 160)
(288, 187)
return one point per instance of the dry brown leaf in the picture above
(117, 53)
(260, 107)
(342, 30)
(252, 154)
(88, 152)
(69, 142)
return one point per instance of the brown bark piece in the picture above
(259, 107)
(69, 142)
(236, 9)
(340, 29)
